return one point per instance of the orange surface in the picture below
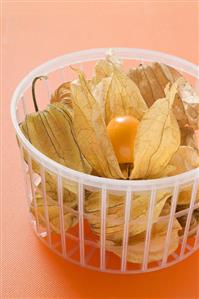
(32, 34)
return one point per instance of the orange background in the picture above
(34, 32)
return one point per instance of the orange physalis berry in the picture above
(122, 131)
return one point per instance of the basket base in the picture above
(92, 254)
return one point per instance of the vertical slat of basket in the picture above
(25, 111)
(197, 86)
(23, 163)
(24, 170)
(170, 224)
(103, 229)
(149, 228)
(187, 226)
(47, 85)
(127, 214)
(62, 74)
(43, 184)
(18, 114)
(61, 214)
(81, 222)
(33, 192)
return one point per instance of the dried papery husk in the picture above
(186, 111)
(184, 159)
(91, 133)
(192, 112)
(69, 217)
(158, 138)
(104, 68)
(123, 97)
(126, 169)
(116, 209)
(187, 92)
(136, 244)
(99, 92)
(179, 111)
(183, 219)
(51, 187)
(152, 79)
(62, 93)
(193, 225)
(51, 132)
(184, 196)
(69, 188)
(167, 207)
(191, 102)
(188, 137)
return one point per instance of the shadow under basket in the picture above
(68, 227)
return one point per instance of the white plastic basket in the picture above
(78, 244)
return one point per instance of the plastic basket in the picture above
(78, 244)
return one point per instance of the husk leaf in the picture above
(99, 92)
(51, 132)
(116, 209)
(123, 97)
(157, 139)
(188, 137)
(62, 93)
(191, 102)
(136, 243)
(91, 132)
(152, 79)
(104, 68)
(183, 220)
(70, 219)
(184, 159)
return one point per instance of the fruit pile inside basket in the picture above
(139, 124)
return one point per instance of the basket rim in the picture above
(91, 55)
